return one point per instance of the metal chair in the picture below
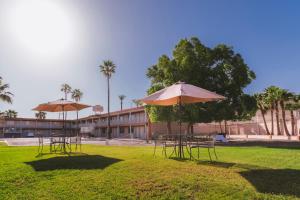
(166, 141)
(202, 141)
(158, 140)
(77, 141)
(41, 144)
(56, 143)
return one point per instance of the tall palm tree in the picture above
(108, 68)
(40, 115)
(66, 89)
(273, 96)
(284, 97)
(76, 96)
(263, 107)
(292, 105)
(122, 97)
(5, 95)
(11, 114)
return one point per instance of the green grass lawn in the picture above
(108, 172)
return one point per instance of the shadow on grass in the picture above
(269, 144)
(230, 165)
(266, 180)
(73, 162)
(40, 155)
(275, 181)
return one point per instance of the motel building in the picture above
(134, 123)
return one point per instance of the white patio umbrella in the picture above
(181, 93)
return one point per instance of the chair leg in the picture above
(39, 148)
(215, 153)
(209, 154)
(174, 151)
(165, 152)
(154, 150)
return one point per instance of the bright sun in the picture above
(42, 27)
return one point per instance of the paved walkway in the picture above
(96, 141)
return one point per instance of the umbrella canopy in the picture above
(60, 105)
(181, 93)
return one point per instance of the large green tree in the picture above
(218, 69)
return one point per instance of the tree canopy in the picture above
(217, 69)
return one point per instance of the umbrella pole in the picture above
(64, 130)
(180, 139)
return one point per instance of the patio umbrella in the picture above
(181, 93)
(61, 105)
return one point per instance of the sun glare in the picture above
(42, 27)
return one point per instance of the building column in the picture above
(118, 126)
(130, 125)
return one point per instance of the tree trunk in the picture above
(264, 118)
(292, 122)
(108, 114)
(77, 124)
(272, 120)
(220, 124)
(284, 118)
(121, 105)
(169, 130)
(190, 129)
(277, 118)
(225, 123)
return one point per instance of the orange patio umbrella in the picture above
(181, 93)
(61, 105)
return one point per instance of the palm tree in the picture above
(263, 107)
(273, 97)
(40, 115)
(292, 105)
(76, 96)
(5, 95)
(11, 114)
(108, 68)
(136, 102)
(66, 89)
(284, 97)
(122, 97)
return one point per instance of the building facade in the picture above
(29, 127)
(134, 123)
(128, 123)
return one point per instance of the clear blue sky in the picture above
(77, 35)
